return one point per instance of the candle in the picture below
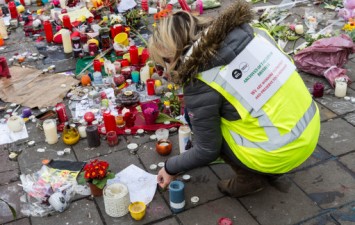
(318, 89)
(15, 123)
(94, 49)
(63, 4)
(97, 78)
(150, 87)
(50, 131)
(13, 10)
(67, 45)
(116, 29)
(48, 31)
(120, 121)
(3, 29)
(27, 2)
(89, 117)
(112, 138)
(5, 72)
(177, 196)
(184, 138)
(340, 88)
(144, 73)
(144, 56)
(135, 76)
(109, 121)
(26, 112)
(82, 131)
(105, 42)
(76, 46)
(66, 22)
(133, 54)
(162, 134)
(299, 29)
(184, 5)
(97, 65)
(93, 136)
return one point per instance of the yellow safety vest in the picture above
(279, 136)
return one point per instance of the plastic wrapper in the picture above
(47, 191)
(326, 57)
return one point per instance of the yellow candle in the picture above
(67, 45)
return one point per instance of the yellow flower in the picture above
(170, 86)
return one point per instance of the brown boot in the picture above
(244, 183)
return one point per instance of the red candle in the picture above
(144, 4)
(133, 54)
(318, 89)
(144, 56)
(22, 2)
(116, 29)
(150, 87)
(93, 48)
(48, 31)
(112, 138)
(66, 22)
(124, 63)
(109, 121)
(184, 5)
(13, 10)
(97, 65)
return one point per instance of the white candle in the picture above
(3, 29)
(340, 89)
(63, 4)
(27, 2)
(82, 131)
(299, 29)
(144, 73)
(184, 137)
(50, 131)
(67, 45)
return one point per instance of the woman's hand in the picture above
(164, 178)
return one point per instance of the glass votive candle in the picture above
(120, 120)
(318, 90)
(162, 134)
(150, 86)
(112, 139)
(135, 76)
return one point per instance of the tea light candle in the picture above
(153, 167)
(50, 131)
(340, 89)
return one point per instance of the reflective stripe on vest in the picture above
(275, 139)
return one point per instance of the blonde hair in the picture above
(173, 35)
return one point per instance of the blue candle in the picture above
(177, 196)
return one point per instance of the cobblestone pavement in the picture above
(320, 191)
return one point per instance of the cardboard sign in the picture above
(258, 72)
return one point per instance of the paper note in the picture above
(141, 185)
(7, 136)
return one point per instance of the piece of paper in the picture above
(141, 185)
(258, 72)
(76, 14)
(125, 5)
(7, 136)
(29, 87)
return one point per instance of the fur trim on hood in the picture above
(208, 45)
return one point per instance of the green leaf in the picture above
(162, 117)
(81, 179)
(292, 38)
(13, 211)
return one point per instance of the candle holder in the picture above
(318, 89)
(70, 135)
(112, 139)
(164, 147)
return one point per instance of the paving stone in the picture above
(327, 184)
(156, 210)
(120, 160)
(31, 161)
(272, 207)
(346, 215)
(325, 114)
(348, 160)
(24, 221)
(6, 163)
(171, 221)
(223, 170)
(203, 184)
(79, 212)
(225, 207)
(317, 156)
(337, 137)
(9, 176)
(10, 193)
(338, 105)
(147, 152)
(350, 118)
(324, 220)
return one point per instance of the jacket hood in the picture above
(220, 43)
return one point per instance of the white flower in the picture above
(168, 94)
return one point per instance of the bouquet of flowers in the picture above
(97, 172)
(150, 112)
